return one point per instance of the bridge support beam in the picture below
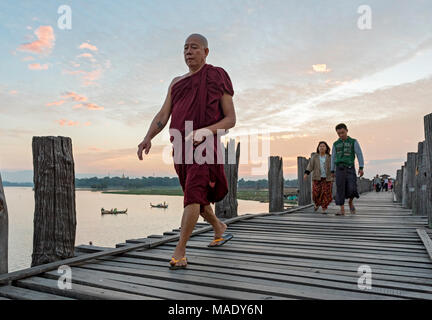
(428, 164)
(54, 194)
(227, 207)
(276, 184)
(305, 187)
(4, 231)
(411, 173)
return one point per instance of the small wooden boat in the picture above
(160, 205)
(113, 211)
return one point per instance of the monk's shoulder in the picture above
(177, 79)
(217, 70)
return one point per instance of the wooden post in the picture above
(411, 167)
(404, 185)
(428, 164)
(397, 186)
(305, 190)
(227, 207)
(54, 193)
(275, 184)
(4, 231)
(419, 206)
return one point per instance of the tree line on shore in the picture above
(127, 183)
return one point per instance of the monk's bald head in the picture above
(199, 38)
(195, 51)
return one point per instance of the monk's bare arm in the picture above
(229, 119)
(161, 119)
(159, 122)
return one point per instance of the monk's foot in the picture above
(179, 253)
(219, 230)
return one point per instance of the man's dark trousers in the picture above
(346, 184)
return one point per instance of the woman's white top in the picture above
(322, 166)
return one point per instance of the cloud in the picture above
(85, 55)
(56, 103)
(320, 68)
(43, 44)
(74, 96)
(38, 66)
(86, 45)
(65, 122)
(93, 106)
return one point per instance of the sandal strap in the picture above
(177, 260)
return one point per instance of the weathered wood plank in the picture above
(288, 290)
(426, 241)
(266, 274)
(6, 278)
(13, 292)
(180, 289)
(78, 291)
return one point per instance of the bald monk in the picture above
(204, 96)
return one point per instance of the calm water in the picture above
(107, 230)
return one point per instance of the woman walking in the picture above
(319, 165)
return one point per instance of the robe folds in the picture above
(197, 98)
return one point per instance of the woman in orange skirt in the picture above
(322, 180)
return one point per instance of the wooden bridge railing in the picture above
(413, 185)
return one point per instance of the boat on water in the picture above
(113, 211)
(159, 205)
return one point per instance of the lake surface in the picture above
(103, 230)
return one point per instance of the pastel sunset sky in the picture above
(298, 68)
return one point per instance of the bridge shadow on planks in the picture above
(297, 255)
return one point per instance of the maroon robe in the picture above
(197, 98)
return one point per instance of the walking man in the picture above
(203, 96)
(343, 155)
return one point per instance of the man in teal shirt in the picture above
(343, 155)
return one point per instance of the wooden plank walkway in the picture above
(297, 255)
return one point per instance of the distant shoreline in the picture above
(260, 195)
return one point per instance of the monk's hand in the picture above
(361, 172)
(305, 176)
(144, 145)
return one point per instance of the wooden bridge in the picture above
(296, 254)
(384, 251)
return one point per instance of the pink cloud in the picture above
(56, 103)
(74, 96)
(43, 44)
(70, 123)
(93, 75)
(85, 55)
(86, 45)
(29, 58)
(13, 92)
(38, 66)
(93, 106)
